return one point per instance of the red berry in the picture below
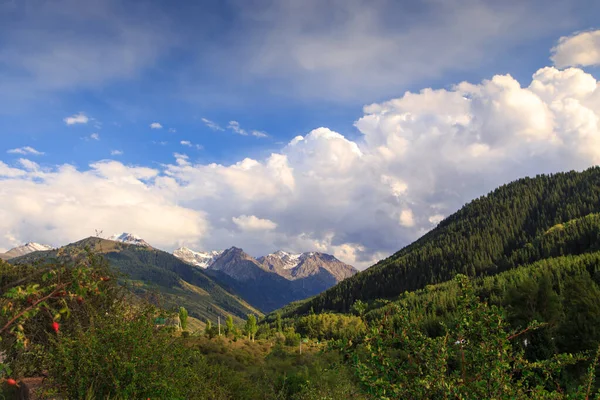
(11, 382)
(79, 299)
(55, 326)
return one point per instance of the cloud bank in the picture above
(420, 158)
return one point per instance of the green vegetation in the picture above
(525, 323)
(107, 346)
(475, 357)
(251, 328)
(169, 281)
(183, 318)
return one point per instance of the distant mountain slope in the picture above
(197, 258)
(298, 266)
(152, 269)
(24, 249)
(272, 281)
(489, 235)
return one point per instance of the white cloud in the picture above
(212, 125)
(95, 136)
(406, 218)
(116, 153)
(9, 172)
(259, 134)
(25, 150)
(580, 49)
(190, 144)
(80, 118)
(420, 157)
(253, 223)
(172, 130)
(235, 127)
(155, 125)
(436, 219)
(109, 196)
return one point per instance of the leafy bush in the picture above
(474, 358)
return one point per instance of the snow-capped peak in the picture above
(37, 247)
(129, 239)
(198, 258)
(26, 249)
(289, 260)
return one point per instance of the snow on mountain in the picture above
(198, 258)
(288, 260)
(129, 238)
(25, 249)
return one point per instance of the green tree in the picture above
(208, 328)
(278, 323)
(251, 327)
(229, 325)
(475, 358)
(359, 308)
(183, 318)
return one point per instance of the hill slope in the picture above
(491, 234)
(154, 270)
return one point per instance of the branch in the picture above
(19, 315)
(529, 328)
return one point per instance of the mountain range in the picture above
(207, 283)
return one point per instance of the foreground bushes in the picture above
(108, 347)
(475, 358)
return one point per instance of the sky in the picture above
(349, 127)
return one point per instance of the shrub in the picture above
(474, 358)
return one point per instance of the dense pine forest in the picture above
(491, 234)
(501, 300)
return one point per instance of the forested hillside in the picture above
(489, 235)
(153, 271)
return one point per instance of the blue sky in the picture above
(282, 68)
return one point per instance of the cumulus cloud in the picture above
(80, 118)
(212, 125)
(253, 223)
(420, 157)
(109, 196)
(580, 49)
(155, 125)
(95, 136)
(25, 150)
